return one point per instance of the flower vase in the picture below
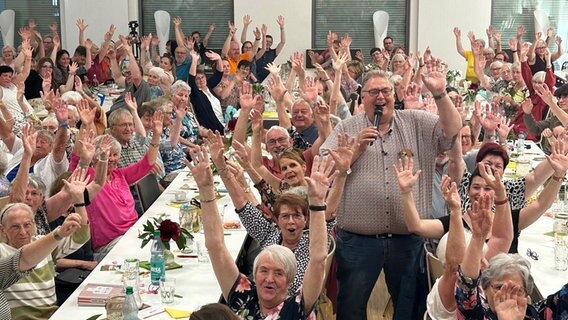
(169, 257)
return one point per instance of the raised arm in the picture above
(135, 74)
(450, 120)
(224, 266)
(20, 182)
(157, 127)
(559, 51)
(531, 54)
(133, 108)
(81, 26)
(459, 45)
(262, 51)
(246, 23)
(227, 44)
(180, 37)
(208, 35)
(318, 185)
(246, 101)
(480, 217)
(256, 152)
(281, 22)
(62, 134)
(428, 228)
(106, 43)
(342, 156)
(117, 76)
(89, 55)
(489, 31)
(559, 162)
(68, 86)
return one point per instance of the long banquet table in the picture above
(195, 281)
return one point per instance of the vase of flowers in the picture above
(169, 230)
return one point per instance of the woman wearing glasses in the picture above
(41, 79)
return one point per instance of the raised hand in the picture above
(85, 147)
(86, 114)
(489, 31)
(81, 24)
(457, 32)
(217, 149)
(320, 179)
(480, 216)
(211, 28)
(246, 100)
(256, 119)
(177, 22)
(71, 224)
(558, 159)
(504, 127)
(32, 24)
(280, 20)
(144, 43)
(73, 68)
(412, 96)
(406, 179)
(232, 28)
(510, 302)
(76, 184)
(61, 111)
(492, 178)
(131, 103)
(200, 168)
(274, 69)
(544, 93)
(322, 74)
(340, 62)
(213, 56)
(256, 33)
(321, 113)
(53, 27)
(29, 137)
(527, 106)
(110, 33)
(241, 154)
(309, 91)
(247, 20)
(88, 44)
(25, 33)
(343, 154)
(450, 193)
(435, 81)
(513, 44)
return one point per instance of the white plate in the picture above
(179, 201)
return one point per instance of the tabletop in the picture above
(195, 281)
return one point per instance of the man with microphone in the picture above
(371, 233)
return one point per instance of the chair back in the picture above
(4, 201)
(329, 259)
(435, 268)
(148, 191)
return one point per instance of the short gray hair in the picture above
(539, 76)
(114, 144)
(505, 264)
(376, 74)
(35, 181)
(281, 255)
(496, 64)
(179, 84)
(9, 208)
(46, 134)
(117, 114)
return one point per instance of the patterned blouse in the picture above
(243, 299)
(172, 156)
(472, 303)
(267, 233)
(40, 218)
(515, 189)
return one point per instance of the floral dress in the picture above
(171, 156)
(243, 300)
(189, 127)
(472, 303)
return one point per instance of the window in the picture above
(196, 15)
(44, 12)
(507, 15)
(356, 18)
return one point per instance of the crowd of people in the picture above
(331, 175)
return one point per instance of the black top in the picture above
(203, 109)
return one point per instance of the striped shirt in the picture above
(9, 274)
(371, 202)
(33, 297)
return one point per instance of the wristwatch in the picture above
(56, 235)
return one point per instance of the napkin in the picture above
(178, 314)
(169, 266)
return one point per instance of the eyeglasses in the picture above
(466, 137)
(280, 140)
(522, 291)
(47, 67)
(541, 48)
(375, 92)
(531, 254)
(295, 216)
(125, 125)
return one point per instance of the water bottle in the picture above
(157, 263)
(561, 241)
(129, 308)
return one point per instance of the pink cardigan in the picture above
(111, 213)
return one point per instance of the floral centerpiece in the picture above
(169, 230)
(469, 91)
(453, 78)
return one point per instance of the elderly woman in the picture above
(207, 106)
(500, 291)
(275, 267)
(21, 263)
(33, 297)
(158, 81)
(112, 212)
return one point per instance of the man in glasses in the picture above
(372, 234)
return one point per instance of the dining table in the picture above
(196, 284)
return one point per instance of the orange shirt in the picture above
(233, 64)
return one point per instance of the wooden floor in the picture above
(380, 305)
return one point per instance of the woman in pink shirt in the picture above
(112, 212)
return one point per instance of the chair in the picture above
(328, 260)
(4, 201)
(435, 268)
(148, 191)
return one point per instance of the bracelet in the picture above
(155, 145)
(64, 124)
(208, 200)
(325, 80)
(318, 208)
(56, 234)
(257, 39)
(421, 65)
(513, 51)
(559, 179)
(440, 96)
(79, 205)
(344, 173)
(501, 202)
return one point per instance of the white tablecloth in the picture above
(195, 282)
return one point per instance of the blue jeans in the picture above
(359, 263)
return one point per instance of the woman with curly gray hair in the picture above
(501, 291)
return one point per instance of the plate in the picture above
(179, 201)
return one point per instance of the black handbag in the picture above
(72, 276)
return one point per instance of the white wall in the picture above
(436, 19)
(298, 15)
(99, 15)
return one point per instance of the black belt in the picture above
(376, 236)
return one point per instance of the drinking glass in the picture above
(114, 307)
(202, 254)
(167, 289)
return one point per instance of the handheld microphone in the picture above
(378, 115)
